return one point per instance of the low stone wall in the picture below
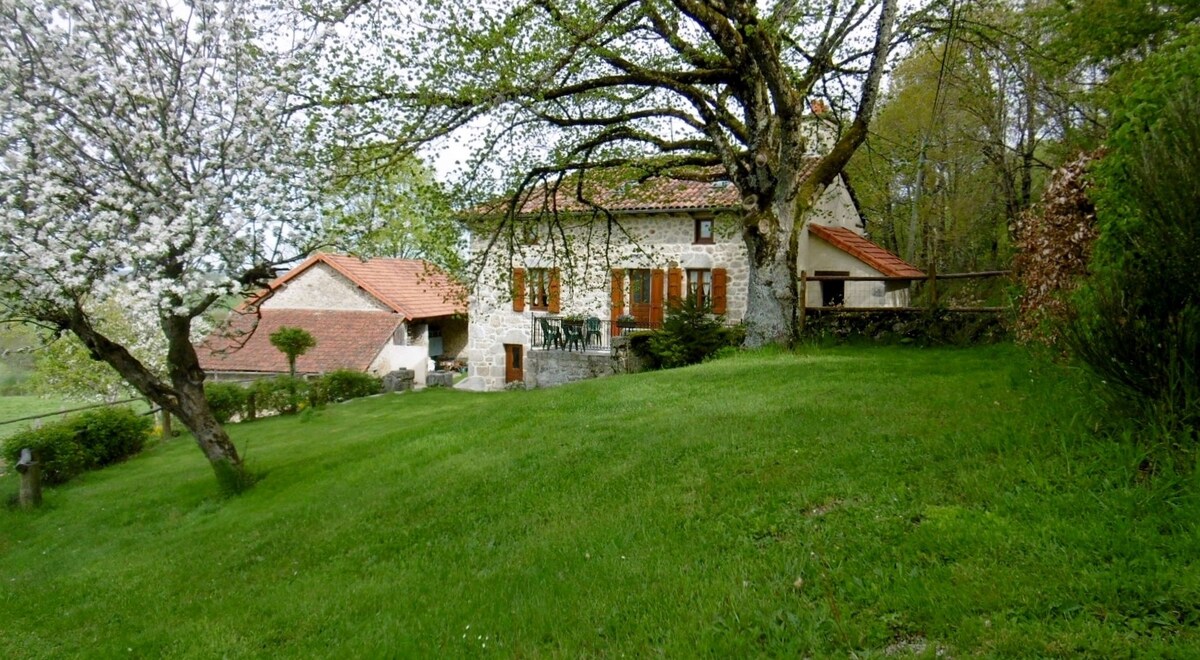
(908, 325)
(550, 368)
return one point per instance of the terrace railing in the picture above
(553, 333)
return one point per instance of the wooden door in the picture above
(514, 363)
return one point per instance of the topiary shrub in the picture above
(226, 400)
(343, 385)
(281, 394)
(109, 435)
(61, 455)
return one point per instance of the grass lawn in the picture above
(873, 502)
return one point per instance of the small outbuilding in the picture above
(374, 316)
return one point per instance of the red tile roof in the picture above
(345, 340)
(620, 193)
(865, 251)
(413, 288)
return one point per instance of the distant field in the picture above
(14, 407)
(851, 502)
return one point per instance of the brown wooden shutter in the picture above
(555, 291)
(656, 298)
(617, 298)
(719, 279)
(518, 289)
(674, 286)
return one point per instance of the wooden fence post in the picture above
(933, 292)
(166, 424)
(30, 495)
(803, 299)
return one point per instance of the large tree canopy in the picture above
(147, 151)
(688, 88)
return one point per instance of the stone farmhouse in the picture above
(374, 316)
(632, 249)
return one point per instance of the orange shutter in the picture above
(718, 290)
(674, 286)
(617, 298)
(555, 290)
(656, 298)
(518, 289)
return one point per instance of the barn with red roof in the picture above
(369, 315)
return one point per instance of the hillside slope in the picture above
(867, 501)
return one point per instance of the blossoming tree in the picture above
(147, 150)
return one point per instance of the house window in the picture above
(704, 230)
(530, 233)
(539, 289)
(700, 285)
(639, 286)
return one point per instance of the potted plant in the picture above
(573, 320)
(627, 321)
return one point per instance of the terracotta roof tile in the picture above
(414, 288)
(864, 250)
(659, 193)
(345, 340)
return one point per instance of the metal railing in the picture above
(593, 335)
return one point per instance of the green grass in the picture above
(837, 502)
(15, 407)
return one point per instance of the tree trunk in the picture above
(192, 407)
(771, 296)
(772, 236)
(210, 436)
(184, 397)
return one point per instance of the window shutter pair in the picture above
(518, 290)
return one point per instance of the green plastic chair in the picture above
(593, 330)
(573, 336)
(551, 334)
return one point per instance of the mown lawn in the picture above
(873, 502)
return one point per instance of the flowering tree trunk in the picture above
(149, 155)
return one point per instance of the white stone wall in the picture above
(660, 242)
(823, 256)
(322, 287)
(394, 357)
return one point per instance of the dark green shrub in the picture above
(109, 435)
(226, 400)
(61, 455)
(281, 394)
(1138, 323)
(690, 334)
(343, 385)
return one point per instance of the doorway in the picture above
(514, 363)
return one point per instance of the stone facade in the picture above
(322, 287)
(648, 240)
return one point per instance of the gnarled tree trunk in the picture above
(183, 397)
